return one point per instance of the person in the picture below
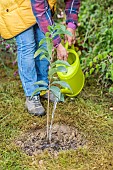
(43, 16)
(17, 20)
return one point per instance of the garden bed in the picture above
(64, 137)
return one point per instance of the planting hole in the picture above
(63, 138)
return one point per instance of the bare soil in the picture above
(64, 137)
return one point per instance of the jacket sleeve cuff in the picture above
(71, 25)
(73, 18)
(56, 41)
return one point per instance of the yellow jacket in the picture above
(16, 16)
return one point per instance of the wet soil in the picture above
(64, 137)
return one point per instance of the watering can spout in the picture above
(66, 91)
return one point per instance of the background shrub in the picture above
(95, 36)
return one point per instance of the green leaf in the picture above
(110, 89)
(68, 33)
(103, 66)
(50, 28)
(61, 69)
(60, 27)
(52, 71)
(87, 74)
(63, 84)
(61, 97)
(43, 56)
(49, 47)
(44, 50)
(48, 39)
(61, 62)
(112, 75)
(99, 56)
(39, 89)
(56, 91)
(57, 26)
(63, 27)
(97, 66)
(91, 70)
(47, 34)
(91, 64)
(58, 33)
(42, 41)
(107, 75)
(39, 51)
(41, 82)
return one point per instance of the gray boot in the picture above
(34, 106)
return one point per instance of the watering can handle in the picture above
(67, 45)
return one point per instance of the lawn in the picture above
(90, 113)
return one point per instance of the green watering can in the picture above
(74, 76)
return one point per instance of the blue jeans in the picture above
(31, 69)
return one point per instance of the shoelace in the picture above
(36, 101)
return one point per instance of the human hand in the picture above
(71, 39)
(62, 53)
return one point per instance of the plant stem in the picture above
(53, 113)
(48, 115)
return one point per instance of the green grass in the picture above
(89, 112)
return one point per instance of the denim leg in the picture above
(26, 47)
(41, 65)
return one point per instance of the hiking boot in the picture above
(34, 106)
(52, 97)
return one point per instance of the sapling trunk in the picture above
(48, 115)
(52, 119)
